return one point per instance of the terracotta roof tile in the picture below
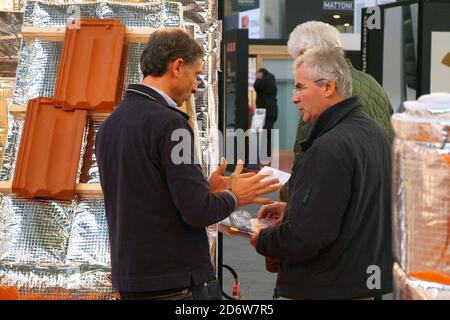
(49, 152)
(92, 66)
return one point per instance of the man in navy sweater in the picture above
(157, 206)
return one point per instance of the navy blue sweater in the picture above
(157, 210)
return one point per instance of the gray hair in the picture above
(312, 34)
(328, 64)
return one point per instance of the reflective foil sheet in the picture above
(77, 283)
(156, 14)
(37, 70)
(88, 240)
(133, 72)
(15, 127)
(421, 197)
(75, 264)
(39, 59)
(6, 91)
(54, 249)
(89, 169)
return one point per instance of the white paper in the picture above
(276, 174)
(258, 119)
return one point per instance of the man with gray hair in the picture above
(373, 98)
(332, 237)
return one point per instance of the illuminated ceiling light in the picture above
(336, 16)
(346, 24)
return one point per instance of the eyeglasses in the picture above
(300, 87)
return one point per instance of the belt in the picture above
(176, 294)
(183, 294)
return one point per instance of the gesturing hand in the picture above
(217, 181)
(247, 187)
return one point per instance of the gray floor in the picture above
(256, 282)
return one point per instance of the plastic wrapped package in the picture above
(411, 288)
(421, 191)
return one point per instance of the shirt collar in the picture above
(329, 119)
(168, 99)
(153, 95)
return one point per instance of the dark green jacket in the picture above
(374, 101)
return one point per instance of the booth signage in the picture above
(338, 5)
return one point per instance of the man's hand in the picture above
(247, 187)
(273, 211)
(217, 181)
(254, 239)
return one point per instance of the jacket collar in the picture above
(151, 94)
(330, 118)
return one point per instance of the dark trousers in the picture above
(268, 125)
(205, 291)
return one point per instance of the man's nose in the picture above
(194, 88)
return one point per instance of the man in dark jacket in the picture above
(266, 98)
(333, 236)
(157, 206)
(373, 98)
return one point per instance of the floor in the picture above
(255, 282)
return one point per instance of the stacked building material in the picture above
(421, 194)
(6, 91)
(53, 249)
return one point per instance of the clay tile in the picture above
(49, 151)
(92, 66)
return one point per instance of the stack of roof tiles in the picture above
(90, 77)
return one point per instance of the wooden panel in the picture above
(268, 50)
(16, 108)
(57, 33)
(84, 190)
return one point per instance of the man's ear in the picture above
(330, 88)
(176, 67)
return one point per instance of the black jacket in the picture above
(337, 223)
(266, 95)
(157, 211)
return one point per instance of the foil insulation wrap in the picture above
(206, 98)
(154, 14)
(6, 91)
(60, 250)
(88, 164)
(39, 59)
(15, 127)
(54, 249)
(37, 70)
(421, 190)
